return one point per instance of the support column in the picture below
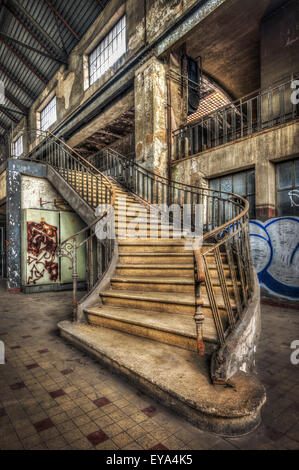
(151, 116)
(265, 190)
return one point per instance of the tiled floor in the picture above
(52, 396)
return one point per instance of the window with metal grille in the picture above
(242, 183)
(108, 51)
(48, 115)
(287, 188)
(18, 147)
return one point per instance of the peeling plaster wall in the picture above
(33, 189)
(13, 218)
(260, 151)
(274, 242)
(151, 117)
(3, 185)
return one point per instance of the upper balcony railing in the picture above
(254, 113)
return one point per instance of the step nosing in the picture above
(144, 297)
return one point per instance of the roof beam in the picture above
(10, 97)
(22, 22)
(38, 51)
(2, 106)
(56, 12)
(17, 82)
(4, 111)
(24, 61)
(46, 39)
(4, 126)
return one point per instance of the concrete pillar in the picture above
(151, 116)
(265, 190)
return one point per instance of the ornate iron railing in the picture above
(225, 232)
(94, 188)
(102, 253)
(224, 222)
(253, 113)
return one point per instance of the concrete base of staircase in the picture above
(178, 378)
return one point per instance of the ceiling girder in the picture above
(56, 12)
(46, 39)
(2, 106)
(10, 116)
(10, 97)
(38, 51)
(4, 126)
(24, 60)
(17, 82)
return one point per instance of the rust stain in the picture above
(41, 247)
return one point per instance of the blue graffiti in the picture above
(275, 245)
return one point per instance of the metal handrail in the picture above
(257, 111)
(225, 231)
(228, 233)
(47, 138)
(93, 187)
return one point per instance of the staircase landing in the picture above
(178, 378)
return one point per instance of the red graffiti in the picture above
(41, 246)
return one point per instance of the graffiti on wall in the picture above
(275, 253)
(41, 246)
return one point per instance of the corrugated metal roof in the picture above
(39, 25)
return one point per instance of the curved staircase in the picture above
(166, 314)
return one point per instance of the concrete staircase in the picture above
(142, 325)
(152, 291)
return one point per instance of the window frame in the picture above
(293, 207)
(248, 196)
(15, 145)
(100, 50)
(54, 99)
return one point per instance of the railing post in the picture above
(75, 280)
(199, 316)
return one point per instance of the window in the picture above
(48, 115)
(108, 51)
(242, 183)
(18, 147)
(287, 188)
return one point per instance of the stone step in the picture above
(178, 378)
(175, 284)
(159, 301)
(154, 270)
(173, 245)
(178, 330)
(155, 258)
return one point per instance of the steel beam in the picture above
(38, 51)
(4, 126)
(22, 22)
(24, 60)
(56, 12)
(20, 10)
(10, 97)
(17, 82)
(4, 111)
(2, 106)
